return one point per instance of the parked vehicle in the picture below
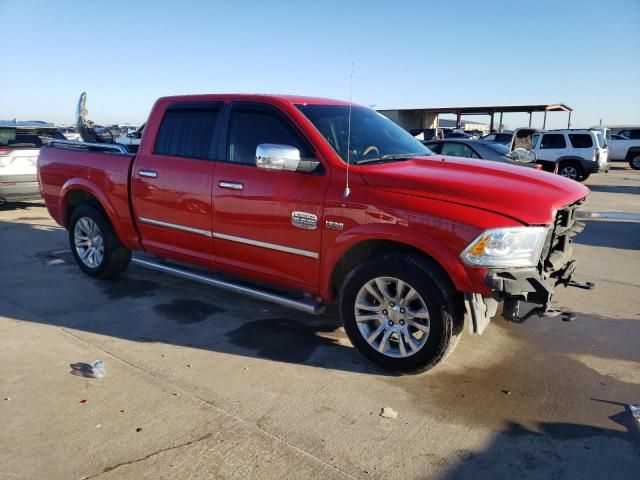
(476, 149)
(577, 152)
(70, 133)
(505, 138)
(622, 147)
(313, 201)
(453, 134)
(19, 149)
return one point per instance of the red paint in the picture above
(435, 204)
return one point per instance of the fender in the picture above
(123, 226)
(431, 246)
(573, 158)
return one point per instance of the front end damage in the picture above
(533, 286)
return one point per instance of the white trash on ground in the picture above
(388, 412)
(95, 370)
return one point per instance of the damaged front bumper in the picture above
(530, 285)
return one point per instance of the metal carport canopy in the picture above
(492, 110)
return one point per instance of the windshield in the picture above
(373, 136)
(499, 148)
(21, 138)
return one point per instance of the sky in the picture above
(126, 54)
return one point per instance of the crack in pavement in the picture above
(191, 394)
(146, 457)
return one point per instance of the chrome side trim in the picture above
(306, 305)
(271, 246)
(173, 226)
(231, 238)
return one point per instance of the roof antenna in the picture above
(347, 191)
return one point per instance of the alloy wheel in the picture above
(88, 242)
(569, 172)
(392, 317)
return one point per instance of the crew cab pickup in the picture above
(307, 201)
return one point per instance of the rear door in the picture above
(552, 146)
(172, 181)
(267, 223)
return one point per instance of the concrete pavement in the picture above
(221, 386)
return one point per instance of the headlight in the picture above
(506, 247)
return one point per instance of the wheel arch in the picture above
(76, 192)
(361, 248)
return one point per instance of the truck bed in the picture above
(67, 170)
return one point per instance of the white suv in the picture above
(577, 152)
(19, 150)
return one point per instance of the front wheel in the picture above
(401, 312)
(95, 246)
(634, 161)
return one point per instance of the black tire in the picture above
(443, 302)
(116, 257)
(584, 177)
(571, 169)
(634, 160)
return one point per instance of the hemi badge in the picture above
(334, 225)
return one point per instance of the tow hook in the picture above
(511, 312)
(584, 286)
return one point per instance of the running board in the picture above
(307, 305)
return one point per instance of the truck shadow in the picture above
(599, 233)
(147, 306)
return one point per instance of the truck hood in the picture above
(524, 194)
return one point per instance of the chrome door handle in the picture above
(231, 185)
(148, 173)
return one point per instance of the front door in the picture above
(172, 183)
(267, 222)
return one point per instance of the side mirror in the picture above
(283, 157)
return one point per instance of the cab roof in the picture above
(292, 99)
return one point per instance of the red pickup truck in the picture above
(305, 201)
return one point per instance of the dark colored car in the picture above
(504, 138)
(495, 152)
(457, 135)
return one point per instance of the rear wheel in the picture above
(94, 244)
(401, 312)
(572, 170)
(634, 160)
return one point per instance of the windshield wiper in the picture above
(388, 158)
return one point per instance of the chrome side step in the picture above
(307, 305)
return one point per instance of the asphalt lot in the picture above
(205, 384)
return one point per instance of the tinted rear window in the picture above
(26, 138)
(187, 133)
(580, 140)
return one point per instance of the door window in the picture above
(553, 140)
(188, 132)
(457, 150)
(634, 134)
(251, 126)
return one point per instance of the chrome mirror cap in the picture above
(277, 157)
